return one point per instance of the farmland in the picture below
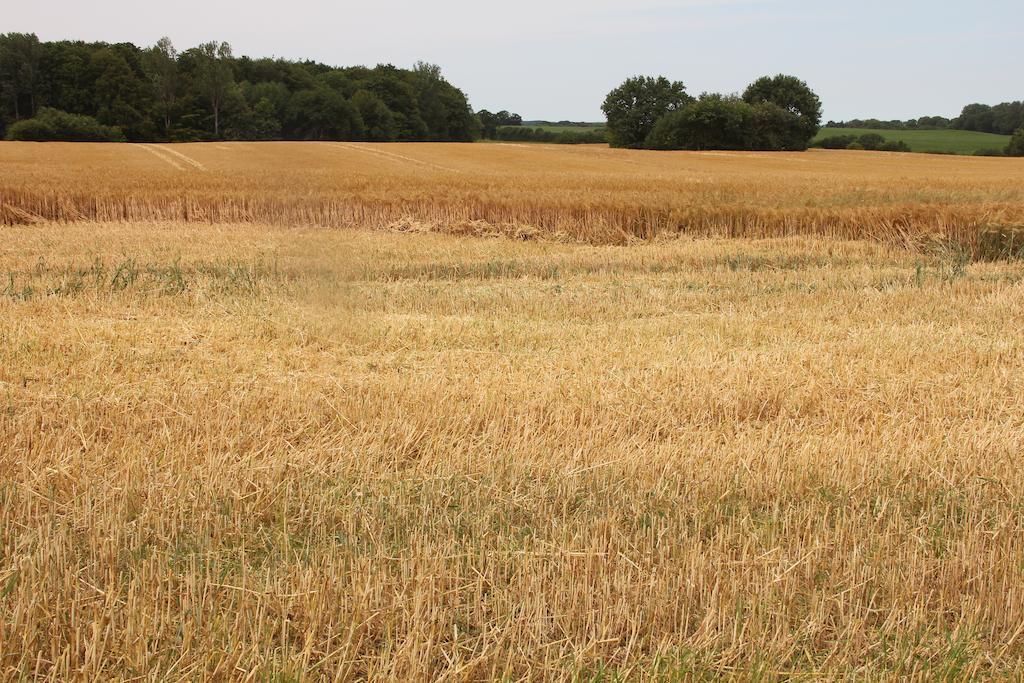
(946, 141)
(472, 412)
(590, 194)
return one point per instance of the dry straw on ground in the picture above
(256, 452)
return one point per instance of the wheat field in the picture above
(291, 446)
(588, 193)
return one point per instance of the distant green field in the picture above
(954, 141)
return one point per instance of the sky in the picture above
(554, 60)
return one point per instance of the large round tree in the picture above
(635, 106)
(793, 95)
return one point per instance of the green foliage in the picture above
(924, 140)
(54, 125)
(634, 108)
(894, 146)
(21, 58)
(1016, 146)
(923, 123)
(566, 126)
(256, 123)
(868, 141)
(563, 137)
(1002, 119)
(120, 94)
(378, 121)
(712, 122)
(779, 113)
(323, 114)
(871, 141)
(489, 122)
(794, 96)
(836, 142)
(207, 93)
(213, 76)
(999, 119)
(160, 64)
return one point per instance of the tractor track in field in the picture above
(156, 152)
(396, 157)
(172, 157)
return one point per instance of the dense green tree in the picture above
(275, 92)
(976, 117)
(337, 80)
(793, 95)
(1016, 146)
(837, 142)
(506, 118)
(932, 123)
(522, 133)
(635, 106)
(779, 113)
(490, 122)
(66, 80)
(400, 97)
(712, 122)
(294, 75)
(323, 114)
(214, 77)
(205, 93)
(378, 121)
(258, 122)
(775, 128)
(1002, 119)
(20, 57)
(871, 141)
(1007, 117)
(120, 97)
(430, 88)
(161, 65)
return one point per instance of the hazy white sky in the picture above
(551, 59)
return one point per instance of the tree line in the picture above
(1005, 118)
(869, 141)
(491, 122)
(80, 90)
(523, 133)
(774, 113)
(506, 126)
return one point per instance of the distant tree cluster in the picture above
(774, 113)
(923, 123)
(85, 91)
(490, 122)
(869, 141)
(563, 122)
(561, 137)
(1002, 119)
